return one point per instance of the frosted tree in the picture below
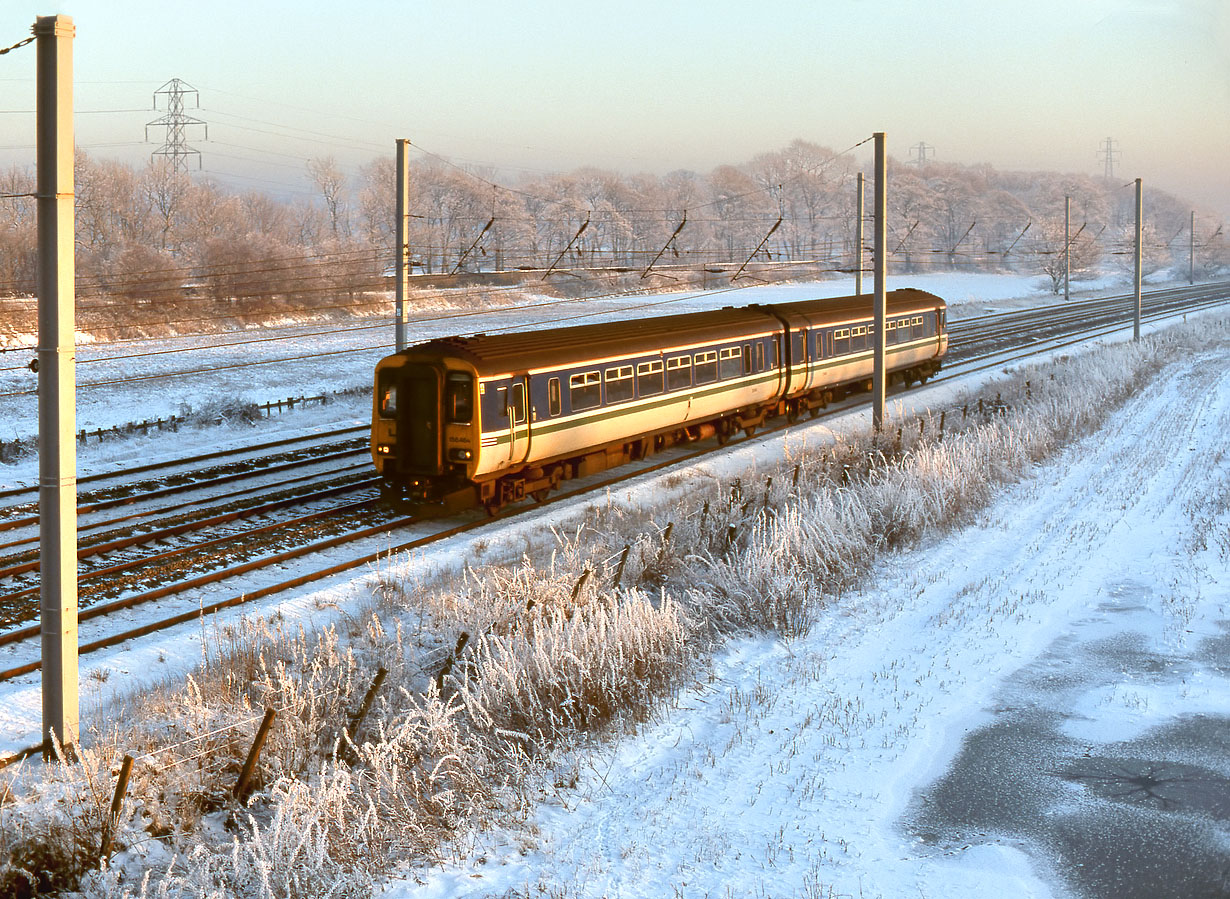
(330, 180)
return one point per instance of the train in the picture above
(489, 419)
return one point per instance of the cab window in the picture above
(459, 397)
(387, 391)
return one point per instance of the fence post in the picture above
(619, 571)
(243, 785)
(117, 802)
(462, 640)
(356, 720)
(576, 591)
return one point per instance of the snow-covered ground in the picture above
(792, 768)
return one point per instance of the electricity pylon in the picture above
(176, 146)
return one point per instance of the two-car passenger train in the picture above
(490, 419)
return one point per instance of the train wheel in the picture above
(792, 413)
(540, 496)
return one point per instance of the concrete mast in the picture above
(858, 237)
(403, 240)
(57, 414)
(1137, 268)
(878, 385)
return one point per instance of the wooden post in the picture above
(117, 803)
(576, 591)
(243, 785)
(447, 667)
(619, 570)
(356, 720)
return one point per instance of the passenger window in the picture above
(706, 367)
(553, 397)
(585, 391)
(731, 363)
(760, 356)
(679, 373)
(459, 397)
(649, 378)
(619, 384)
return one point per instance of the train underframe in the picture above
(538, 481)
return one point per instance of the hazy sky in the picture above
(651, 86)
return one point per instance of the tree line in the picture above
(151, 232)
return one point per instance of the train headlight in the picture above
(384, 449)
(460, 455)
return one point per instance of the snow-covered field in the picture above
(792, 767)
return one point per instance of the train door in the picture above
(418, 419)
(518, 418)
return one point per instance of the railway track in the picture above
(288, 532)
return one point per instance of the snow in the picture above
(788, 768)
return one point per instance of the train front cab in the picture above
(425, 427)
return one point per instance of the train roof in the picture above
(575, 344)
(837, 309)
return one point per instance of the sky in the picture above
(639, 86)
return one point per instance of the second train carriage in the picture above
(492, 418)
